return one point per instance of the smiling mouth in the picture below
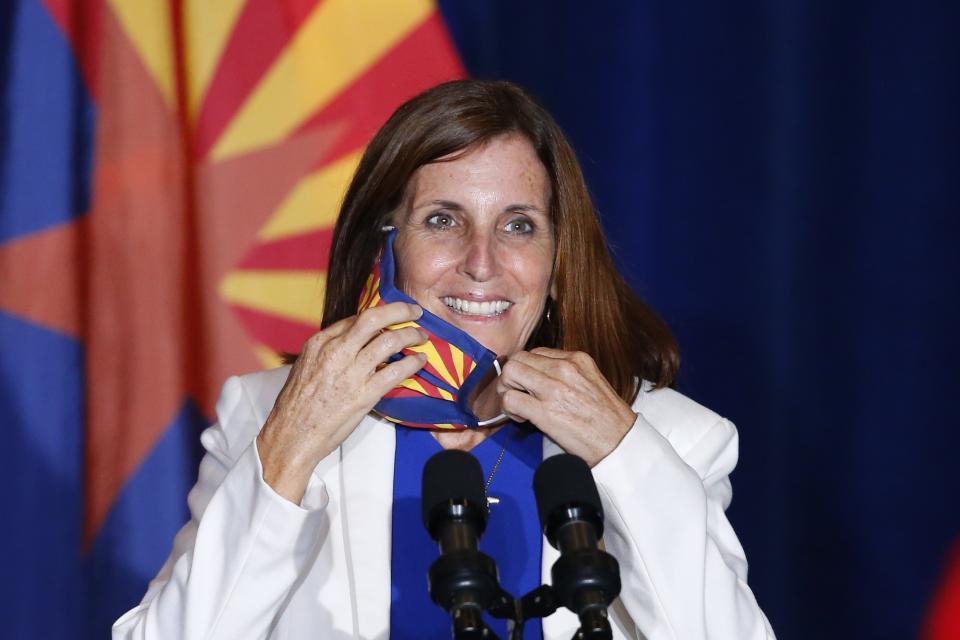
(486, 309)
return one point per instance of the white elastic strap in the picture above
(502, 416)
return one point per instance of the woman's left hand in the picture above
(566, 396)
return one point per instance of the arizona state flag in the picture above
(170, 171)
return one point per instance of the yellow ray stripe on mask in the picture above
(433, 357)
(403, 325)
(338, 42)
(375, 298)
(207, 28)
(413, 385)
(458, 364)
(315, 202)
(367, 292)
(294, 295)
(446, 395)
(150, 29)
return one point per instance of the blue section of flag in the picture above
(46, 126)
(41, 408)
(137, 535)
(46, 130)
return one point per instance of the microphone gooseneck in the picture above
(585, 579)
(463, 581)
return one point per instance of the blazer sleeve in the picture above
(234, 564)
(683, 570)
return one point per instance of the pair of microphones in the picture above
(464, 581)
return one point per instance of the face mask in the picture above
(436, 396)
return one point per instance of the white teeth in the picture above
(471, 308)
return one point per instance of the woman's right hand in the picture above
(335, 382)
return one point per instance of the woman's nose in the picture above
(479, 257)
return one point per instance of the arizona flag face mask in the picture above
(436, 396)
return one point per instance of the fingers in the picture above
(387, 343)
(521, 376)
(569, 369)
(550, 353)
(579, 358)
(394, 373)
(339, 327)
(372, 321)
(314, 343)
(521, 407)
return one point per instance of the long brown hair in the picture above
(595, 311)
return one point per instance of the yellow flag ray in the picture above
(207, 28)
(314, 202)
(367, 292)
(294, 295)
(338, 42)
(433, 357)
(413, 385)
(149, 27)
(269, 358)
(458, 364)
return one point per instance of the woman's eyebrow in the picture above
(446, 204)
(456, 206)
(523, 208)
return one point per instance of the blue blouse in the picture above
(512, 538)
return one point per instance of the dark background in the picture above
(780, 180)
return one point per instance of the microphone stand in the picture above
(543, 601)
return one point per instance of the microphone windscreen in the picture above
(564, 480)
(451, 475)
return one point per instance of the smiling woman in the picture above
(593, 309)
(305, 518)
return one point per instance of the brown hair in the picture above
(595, 310)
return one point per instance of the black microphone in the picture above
(463, 581)
(585, 579)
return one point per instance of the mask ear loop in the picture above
(502, 416)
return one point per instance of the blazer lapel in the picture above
(367, 489)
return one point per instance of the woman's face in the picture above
(475, 242)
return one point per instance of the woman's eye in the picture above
(441, 221)
(519, 226)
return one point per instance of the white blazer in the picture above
(251, 564)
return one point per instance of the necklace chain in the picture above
(496, 465)
(492, 500)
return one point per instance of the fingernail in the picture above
(417, 309)
(424, 335)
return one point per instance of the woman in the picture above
(304, 518)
